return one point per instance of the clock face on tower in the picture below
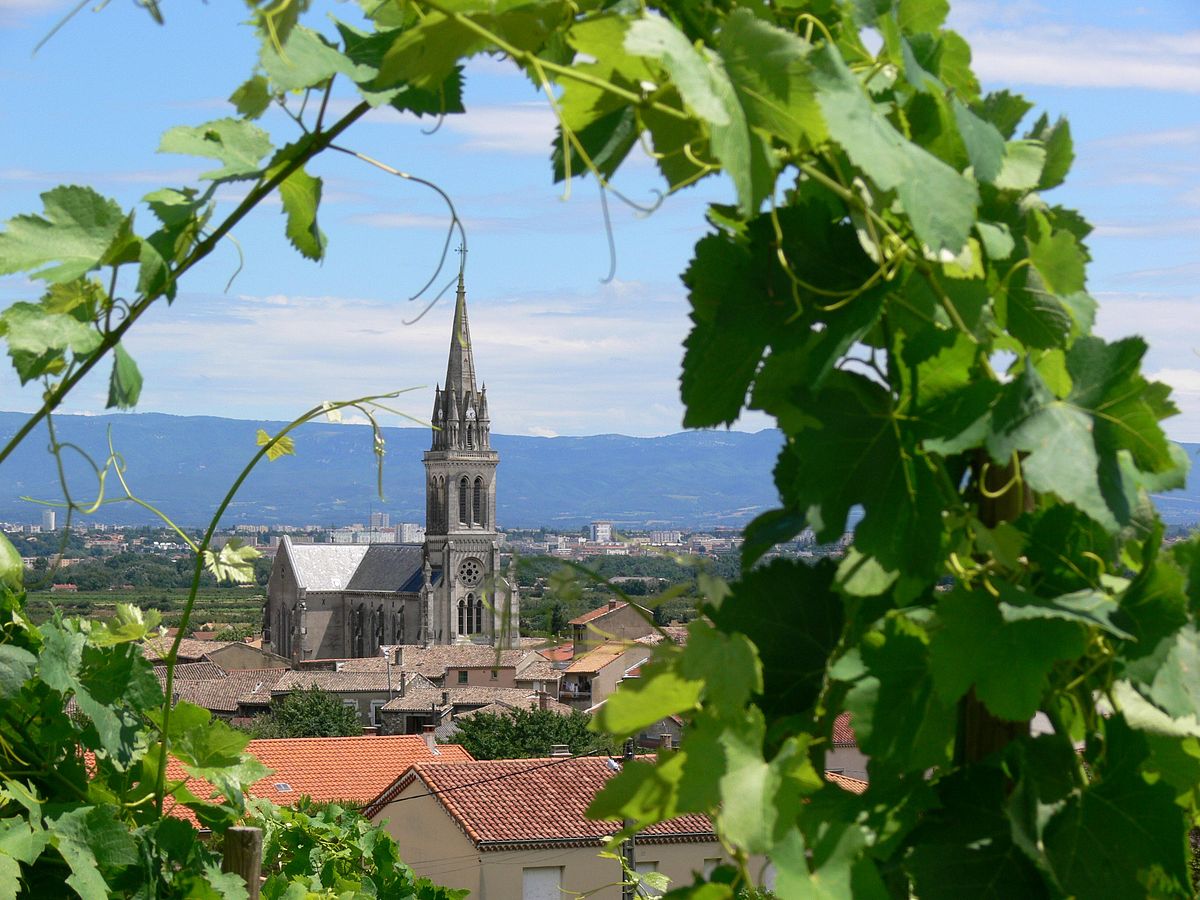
(470, 572)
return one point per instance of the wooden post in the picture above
(1004, 497)
(242, 855)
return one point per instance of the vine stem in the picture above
(198, 569)
(317, 143)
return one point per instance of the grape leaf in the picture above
(1006, 662)
(939, 201)
(660, 691)
(794, 619)
(237, 144)
(306, 60)
(705, 87)
(285, 446)
(1022, 168)
(767, 68)
(125, 383)
(1110, 837)
(301, 196)
(252, 98)
(75, 231)
(234, 562)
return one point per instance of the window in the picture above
(709, 866)
(644, 889)
(542, 883)
(494, 674)
(375, 705)
(462, 616)
(462, 676)
(477, 502)
(464, 487)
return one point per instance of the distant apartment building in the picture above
(380, 520)
(666, 537)
(49, 520)
(600, 532)
(410, 533)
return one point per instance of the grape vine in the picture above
(891, 283)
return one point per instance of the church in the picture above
(348, 600)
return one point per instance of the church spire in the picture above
(460, 369)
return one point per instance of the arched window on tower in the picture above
(477, 502)
(462, 616)
(464, 487)
(443, 504)
(479, 615)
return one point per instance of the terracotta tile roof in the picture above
(843, 734)
(538, 669)
(505, 707)
(196, 671)
(221, 695)
(846, 783)
(502, 802)
(338, 682)
(676, 634)
(420, 699)
(604, 655)
(431, 662)
(190, 649)
(598, 613)
(558, 653)
(318, 767)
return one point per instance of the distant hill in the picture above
(184, 465)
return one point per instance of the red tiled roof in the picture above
(558, 653)
(354, 769)
(846, 783)
(503, 802)
(598, 613)
(190, 650)
(604, 655)
(222, 694)
(196, 671)
(843, 734)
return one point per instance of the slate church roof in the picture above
(357, 567)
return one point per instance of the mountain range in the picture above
(184, 464)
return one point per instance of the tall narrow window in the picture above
(470, 604)
(477, 503)
(464, 487)
(444, 506)
(479, 616)
(462, 617)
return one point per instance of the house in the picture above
(240, 655)
(844, 757)
(590, 679)
(616, 621)
(518, 828)
(318, 767)
(222, 695)
(367, 691)
(417, 708)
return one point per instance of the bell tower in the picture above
(472, 602)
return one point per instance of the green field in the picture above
(229, 606)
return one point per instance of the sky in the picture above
(561, 351)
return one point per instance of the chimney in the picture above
(400, 657)
(612, 603)
(403, 680)
(427, 733)
(559, 750)
(664, 741)
(542, 700)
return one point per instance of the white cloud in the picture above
(1159, 228)
(1042, 52)
(522, 128)
(1173, 137)
(1186, 381)
(539, 431)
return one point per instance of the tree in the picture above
(308, 712)
(525, 733)
(890, 283)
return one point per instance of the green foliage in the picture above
(891, 285)
(328, 851)
(310, 712)
(525, 733)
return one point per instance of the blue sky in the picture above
(561, 352)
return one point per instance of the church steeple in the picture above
(460, 369)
